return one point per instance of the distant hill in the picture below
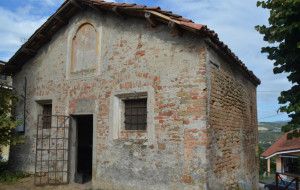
(269, 132)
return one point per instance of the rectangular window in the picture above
(290, 165)
(47, 114)
(135, 114)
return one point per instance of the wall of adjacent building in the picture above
(7, 81)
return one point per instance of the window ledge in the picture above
(134, 131)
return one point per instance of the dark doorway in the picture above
(84, 148)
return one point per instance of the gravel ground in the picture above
(28, 183)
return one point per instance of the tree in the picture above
(262, 164)
(7, 121)
(283, 33)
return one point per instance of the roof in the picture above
(282, 145)
(153, 14)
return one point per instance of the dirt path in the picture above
(28, 183)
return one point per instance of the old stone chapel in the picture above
(133, 97)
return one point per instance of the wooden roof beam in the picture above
(117, 12)
(76, 3)
(97, 9)
(11, 67)
(42, 37)
(29, 51)
(150, 19)
(61, 19)
(175, 27)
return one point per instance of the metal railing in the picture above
(286, 184)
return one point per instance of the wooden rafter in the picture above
(11, 67)
(150, 19)
(74, 2)
(61, 19)
(117, 12)
(29, 51)
(175, 27)
(97, 9)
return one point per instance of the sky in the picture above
(232, 20)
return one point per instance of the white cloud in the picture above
(233, 20)
(24, 10)
(46, 3)
(15, 27)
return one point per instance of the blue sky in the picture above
(233, 20)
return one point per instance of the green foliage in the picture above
(10, 177)
(284, 33)
(269, 132)
(7, 121)
(262, 162)
(3, 165)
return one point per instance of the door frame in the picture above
(74, 143)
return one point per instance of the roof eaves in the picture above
(167, 16)
(280, 152)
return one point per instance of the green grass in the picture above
(10, 177)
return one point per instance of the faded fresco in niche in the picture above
(84, 50)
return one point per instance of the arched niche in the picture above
(84, 49)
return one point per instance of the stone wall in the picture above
(133, 57)
(232, 127)
(182, 147)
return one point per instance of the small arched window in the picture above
(84, 49)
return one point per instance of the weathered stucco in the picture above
(202, 125)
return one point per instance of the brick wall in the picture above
(232, 128)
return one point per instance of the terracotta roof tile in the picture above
(282, 144)
(184, 19)
(152, 8)
(165, 15)
(104, 3)
(122, 5)
(166, 12)
(137, 7)
(193, 25)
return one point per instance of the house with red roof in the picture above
(287, 153)
(133, 97)
(4, 78)
(5, 83)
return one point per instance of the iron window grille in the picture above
(47, 113)
(135, 114)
